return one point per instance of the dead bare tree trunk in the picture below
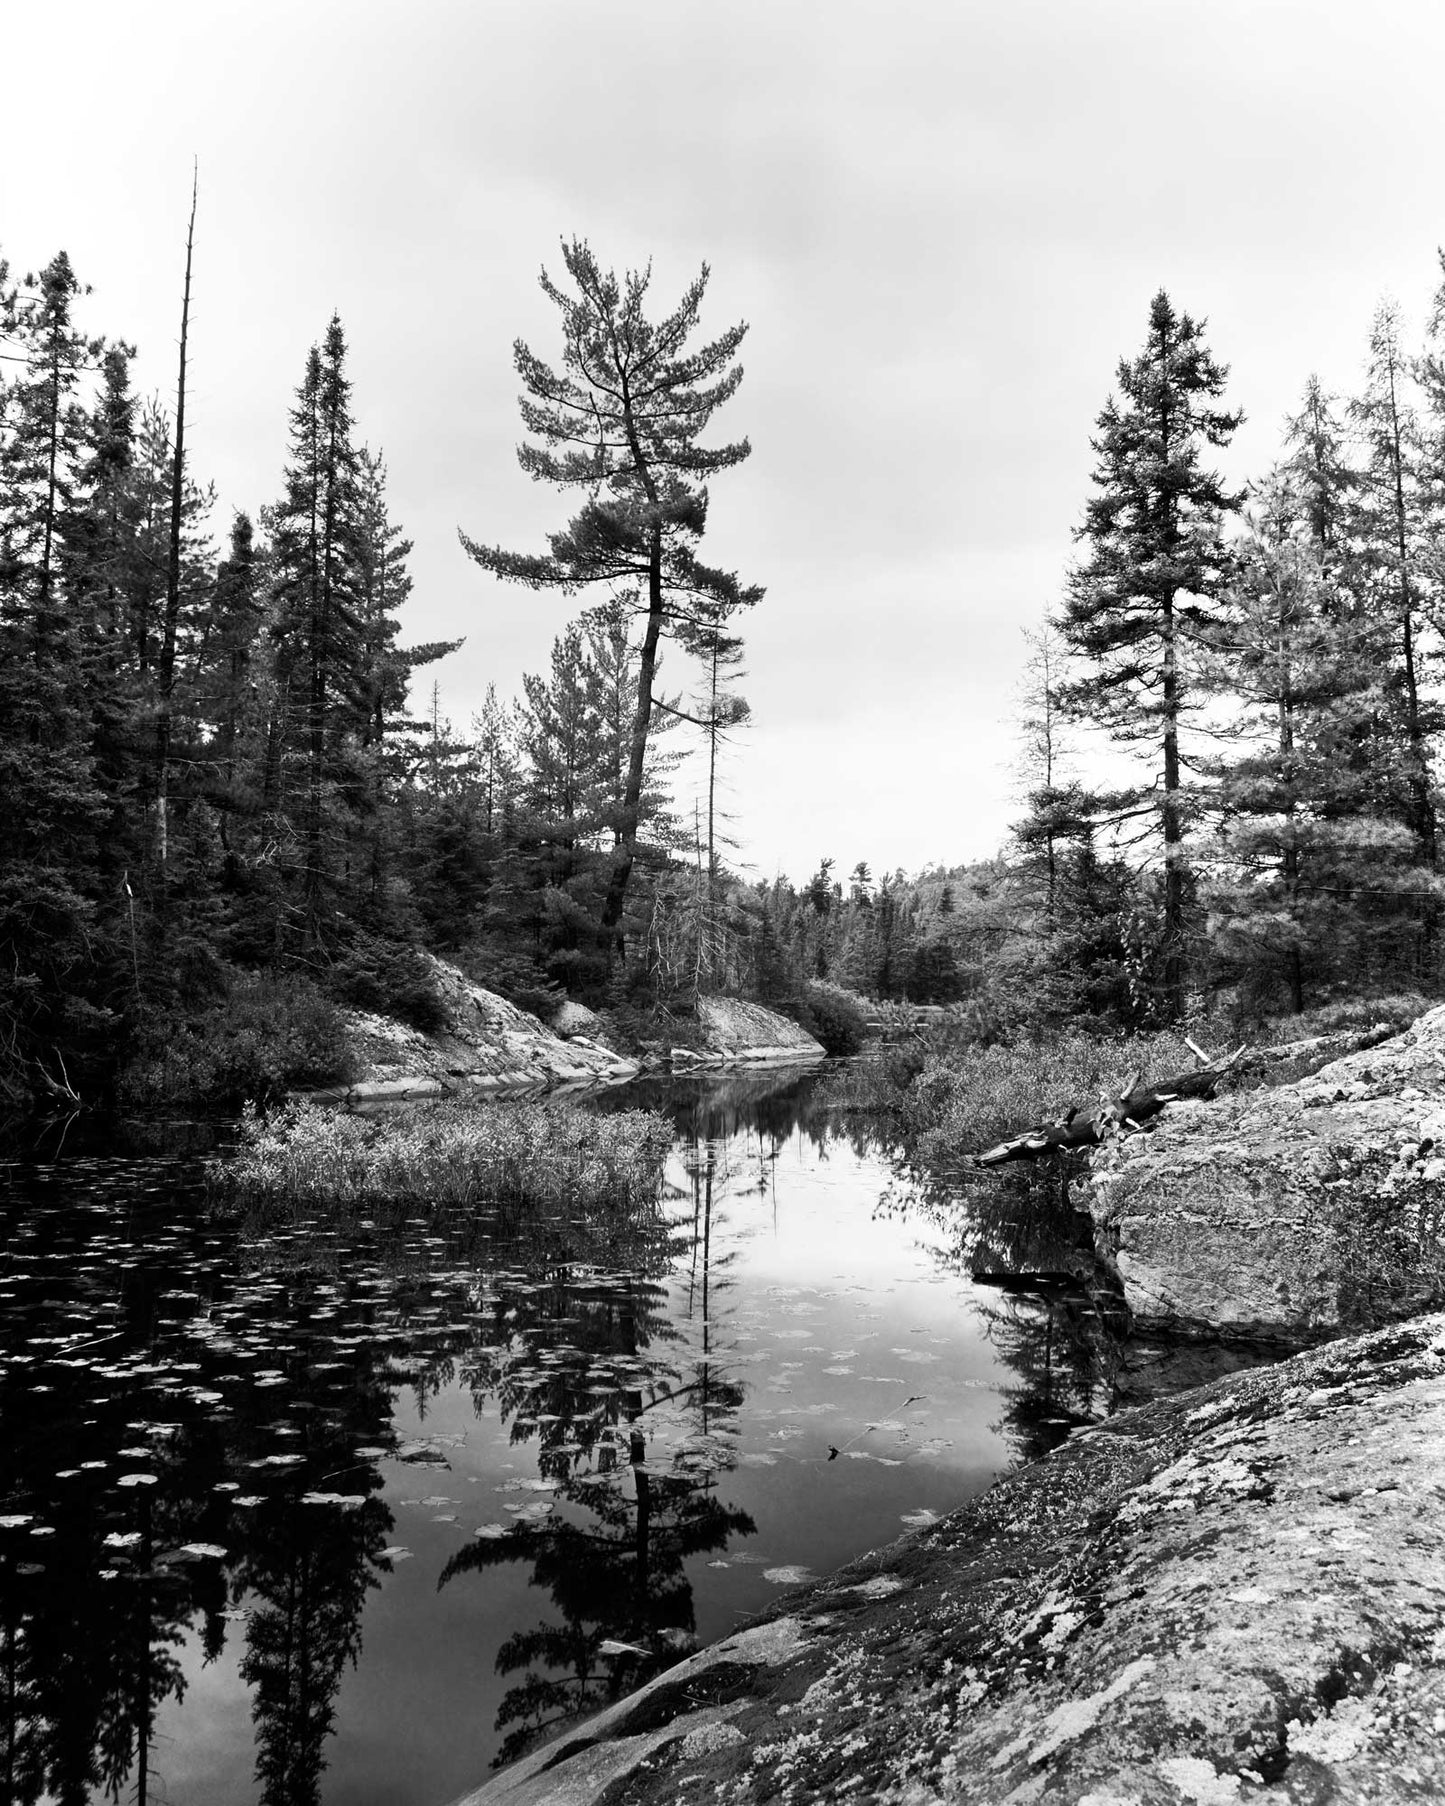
(166, 670)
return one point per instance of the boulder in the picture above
(1295, 1213)
(742, 1032)
(571, 1019)
(1237, 1594)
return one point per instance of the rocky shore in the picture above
(1236, 1593)
(487, 1047)
(743, 1034)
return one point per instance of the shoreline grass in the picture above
(449, 1153)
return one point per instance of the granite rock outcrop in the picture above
(1296, 1212)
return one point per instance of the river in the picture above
(299, 1509)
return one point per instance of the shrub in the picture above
(389, 978)
(834, 1016)
(273, 1032)
(450, 1153)
(512, 976)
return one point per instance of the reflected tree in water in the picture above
(1053, 1344)
(634, 1418)
(310, 1550)
(310, 1575)
(1054, 1324)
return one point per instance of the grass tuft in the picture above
(449, 1153)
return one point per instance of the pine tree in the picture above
(621, 421)
(1154, 566)
(1391, 529)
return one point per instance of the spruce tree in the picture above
(1042, 963)
(1313, 867)
(384, 588)
(494, 740)
(52, 806)
(718, 710)
(1059, 807)
(230, 645)
(321, 651)
(1154, 565)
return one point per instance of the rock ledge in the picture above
(485, 1047)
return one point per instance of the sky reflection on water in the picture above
(298, 1509)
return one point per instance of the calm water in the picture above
(305, 1509)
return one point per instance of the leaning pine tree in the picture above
(621, 421)
(1154, 565)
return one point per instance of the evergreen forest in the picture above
(231, 799)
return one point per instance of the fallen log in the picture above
(1134, 1105)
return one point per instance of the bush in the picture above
(450, 1153)
(511, 976)
(388, 978)
(637, 1028)
(834, 1016)
(274, 1032)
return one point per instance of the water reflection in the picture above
(226, 1439)
(196, 1414)
(633, 1419)
(1060, 1323)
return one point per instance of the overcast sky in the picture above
(943, 221)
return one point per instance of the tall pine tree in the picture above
(621, 421)
(1154, 565)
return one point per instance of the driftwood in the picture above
(1319, 1050)
(1134, 1105)
(60, 1088)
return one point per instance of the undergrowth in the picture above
(272, 1032)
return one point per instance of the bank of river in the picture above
(302, 1509)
